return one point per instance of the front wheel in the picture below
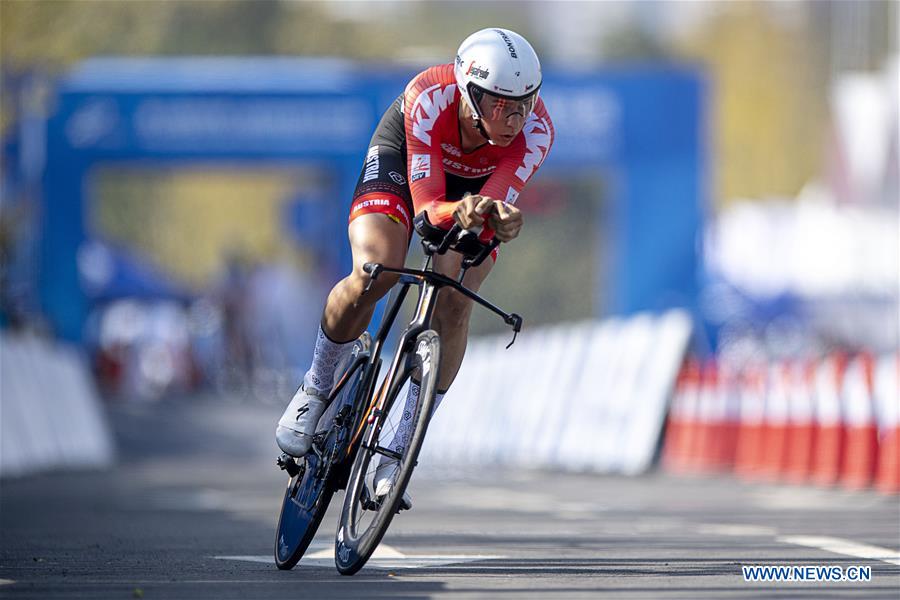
(364, 519)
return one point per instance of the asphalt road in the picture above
(190, 511)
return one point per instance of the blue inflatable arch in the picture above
(643, 125)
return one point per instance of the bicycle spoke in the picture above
(382, 449)
(365, 517)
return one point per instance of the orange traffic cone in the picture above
(730, 406)
(673, 445)
(887, 394)
(801, 426)
(861, 452)
(681, 428)
(748, 457)
(776, 422)
(830, 433)
(703, 458)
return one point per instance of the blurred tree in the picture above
(633, 44)
(50, 35)
(769, 100)
(54, 33)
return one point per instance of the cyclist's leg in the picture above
(374, 237)
(452, 312)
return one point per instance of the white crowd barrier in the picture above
(589, 396)
(50, 413)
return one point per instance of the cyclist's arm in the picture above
(517, 169)
(427, 107)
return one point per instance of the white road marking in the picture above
(384, 557)
(6, 581)
(382, 551)
(812, 499)
(737, 530)
(841, 546)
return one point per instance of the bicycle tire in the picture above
(352, 548)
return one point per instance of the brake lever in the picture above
(516, 322)
(482, 255)
(449, 238)
(373, 269)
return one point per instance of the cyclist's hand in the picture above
(506, 221)
(469, 213)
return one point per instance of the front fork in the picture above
(423, 314)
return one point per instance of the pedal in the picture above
(287, 463)
(402, 505)
(366, 500)
(369, 504)
(319, 440)
(341, 417)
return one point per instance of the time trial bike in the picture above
(355, 431)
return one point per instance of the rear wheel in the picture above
(305, 502)
(315, 477)
(364, 519)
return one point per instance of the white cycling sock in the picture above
(326, 357)
(404, 430)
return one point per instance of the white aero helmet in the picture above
(498, 73)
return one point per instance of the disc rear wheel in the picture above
(315, 477)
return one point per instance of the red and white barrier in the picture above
(833, 421)
(681, 425)
(858, 470)
(748, 460)
(775, 430)
(830, 428)
(801, 431)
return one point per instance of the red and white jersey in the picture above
(431, 118)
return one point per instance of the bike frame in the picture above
(336, 447)
(430, 283)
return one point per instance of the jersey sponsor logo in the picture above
(397, 177)
(421, 167)
(512, 195)
(451, 149)
(371, 171)
(466, 170)
(509, 45)
(429, 104)
(477, 71)
(537, 142)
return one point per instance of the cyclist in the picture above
(460, 143)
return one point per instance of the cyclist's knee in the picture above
(361, 293)
(378, 239)
(453, 309)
